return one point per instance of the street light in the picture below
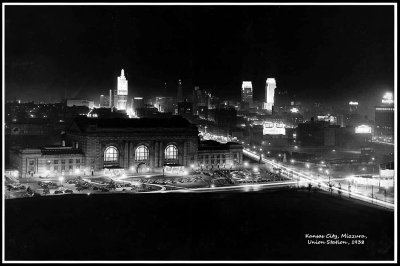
(307, 165)
(327, 172)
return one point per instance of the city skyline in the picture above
(305, 58)
(198, 132)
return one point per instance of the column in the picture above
(126, 156)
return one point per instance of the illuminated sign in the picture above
(388, 98)
(247, 85)
(294, 110)
(327, 118)
(353, 103)
(363, 129)
(274, 129)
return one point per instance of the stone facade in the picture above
(214, 155)
(47, 162)
(94, 136)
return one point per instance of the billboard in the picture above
(274, 129)
(363, 129)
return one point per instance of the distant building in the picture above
(353, 106)
(247, 92)
(185, 108)
(165, 104)
(269, 94)
(137, 102)
(104, 101)
(215, 155)
(384, 116)
(78, 102)
(48, 161)
(180, 91)
(121, 96)
(201, 100)
(107, 113)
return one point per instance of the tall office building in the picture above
(111, 99)
(180, 93)
(121, 96)
(201, 99)
(247, 92)
(104, 101)
(353, 106)
(269, 94)
(384, 116)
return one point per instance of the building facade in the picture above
(48, 161)
(269, 94)
(247, 92)
(215, 155)
(121, 96)
(134, 144)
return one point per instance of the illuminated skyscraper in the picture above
(269, 93)
(353, 106)
(247, 92)
(121, 96)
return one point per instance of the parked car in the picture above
(58, 192)
(68, 191)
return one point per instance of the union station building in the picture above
(101, 146)
(135, 144)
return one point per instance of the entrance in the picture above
(142, 168)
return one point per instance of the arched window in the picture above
(171, 152)
(111, 154)
(141, 153)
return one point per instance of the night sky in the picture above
(326, 53)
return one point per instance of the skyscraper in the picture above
(180, 94)
(122, 92)
(104, 101)
(384, 116)
(247, 92)
(269, 93)
(353, 106)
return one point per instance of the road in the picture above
(322, 183)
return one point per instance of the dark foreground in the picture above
(265, 225)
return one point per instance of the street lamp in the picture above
(329, 182)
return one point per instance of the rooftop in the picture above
(85, 124)
(214, 145)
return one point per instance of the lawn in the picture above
(264, 225)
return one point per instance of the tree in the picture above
(309, 187)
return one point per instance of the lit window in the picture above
(171, 152)
(111, 154)
(142, 153)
